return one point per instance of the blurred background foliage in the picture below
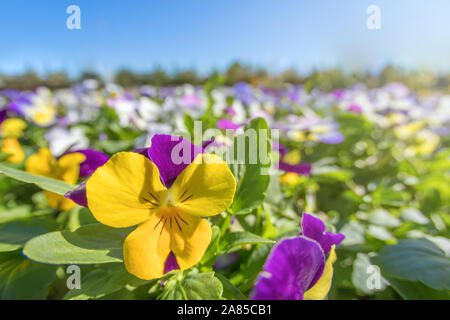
(326, 80)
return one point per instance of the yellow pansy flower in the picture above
(43, 115)
(66, 168)
(12, 128)
(289, 178)
(12, 147)
(128, 190)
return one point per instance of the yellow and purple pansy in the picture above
(165, 190)
(293, 168)
(69, 168)
(298, 268)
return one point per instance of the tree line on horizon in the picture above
(237, 72)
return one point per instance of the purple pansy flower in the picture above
(225, 124)
(293, 266)
(313, 228)
(243, 92)
(296, 264)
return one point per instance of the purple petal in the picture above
(207, 143)
(333, 137)
(231, 111)
(281, 149)
(314, 228)
(227, 124)
(293, 266)
(94, 159)
(3, 115)
(224, 261)
(78, 195)
(171, 154)
(143, 151)
(171, 263)
(300, 168)
(355, 108)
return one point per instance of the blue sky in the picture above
(207, 34)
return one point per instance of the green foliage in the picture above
(14, 234)
(45, 183)
(416, 260)
(253, 178)
(103, 281)
(234, 239)
(95, 243)
(21, 278)
(194, 286)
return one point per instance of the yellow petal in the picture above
(41, 163)
(125, 190)
(59, 202)
(293, 157)
(69, 166)
(320, 290)
(204, 188)
(190, 237)
(44, 115)
(289, 178)
(12, 147)
(13, 127)
(145, 249)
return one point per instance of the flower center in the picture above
(169, 201)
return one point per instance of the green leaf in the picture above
(414, 290)
(233, 239)
(94, 243)
(14, 234)
(230, 292)
(195, 286)
(332, 173)
(213, 247)
(416, 260)
(19, 212)
(202, 286)
(189, 124)
(49, 184)
(100, 282)
(24, 279)
(253, 178)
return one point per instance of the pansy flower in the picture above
(12, 127)
(12, 148)
(291, 165)
(68, 168)
(297, 268)
(10, 130)
(312, 128)
(165, 190)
